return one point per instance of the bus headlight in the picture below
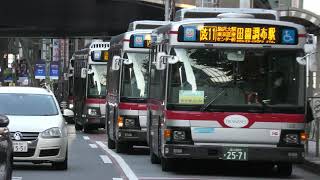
(291, 139)
(179, 135)
(129, 122)
(92, 112)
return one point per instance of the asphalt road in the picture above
(90, 159)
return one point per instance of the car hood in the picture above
(34, 123)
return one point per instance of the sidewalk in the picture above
(312, 162)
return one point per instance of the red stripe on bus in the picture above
(173, 32)
(302, 35)
(132, 106)
(126, 40)
(95, 101)
(220, 116)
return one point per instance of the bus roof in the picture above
(192, 13)
(145, 24)
(122, 41)
(86, 52)
(169, 33)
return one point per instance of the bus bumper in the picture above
(264, 154)
(132, 135)
(94, 121)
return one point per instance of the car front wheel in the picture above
(61, 165)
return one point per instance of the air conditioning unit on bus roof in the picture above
(145, 24)
(214, 12)
(100, 45)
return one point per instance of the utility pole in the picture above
(167, 10)
(169, 6)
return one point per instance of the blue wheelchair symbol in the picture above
(288, 36)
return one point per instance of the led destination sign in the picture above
(239, 33)
(100, 56)
(140, 41)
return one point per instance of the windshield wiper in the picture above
(205, 106)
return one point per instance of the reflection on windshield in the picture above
(27, 105)
(134, 77)
(207, 76)
(97, 80)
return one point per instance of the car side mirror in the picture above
(68, 113)
(4, 121)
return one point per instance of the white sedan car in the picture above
(37, 127)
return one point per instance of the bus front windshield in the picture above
(134, 76)
(97, 81)
(213, 78)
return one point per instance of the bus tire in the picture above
(86, 128)
(77, 126)
(153, 157)
(121, 147)
(285, 169)
(167, 164)
(111, 144)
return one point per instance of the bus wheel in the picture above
(285, 169)
(111, 144)
(86, 128)
(77, 126)
(121, 147)
(167, 164)
(153, 157)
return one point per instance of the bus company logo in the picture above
(236, 121)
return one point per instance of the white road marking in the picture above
(105, 159)
(117, 179)
(124, 166)
(94, 146)
(16, 178)
(86, 137)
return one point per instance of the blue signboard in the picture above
(190, 33)
(138, 41)
(289, 36)
(40, 71)
(54, 71)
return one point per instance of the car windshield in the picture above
(134, 77)
(27, 105)
(213, 77)
(97, 81)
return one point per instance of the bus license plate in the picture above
(20, 146)
(235, 153)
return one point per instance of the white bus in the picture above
(127, 86)
(227, 88)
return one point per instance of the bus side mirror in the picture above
(161, 61)
(115, 63)
(173, 59)
(83, 73)
(127, 61)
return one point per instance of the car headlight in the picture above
(291, 139)
(92, 112)
(70, 106)
(179, 135)
(52, 133)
